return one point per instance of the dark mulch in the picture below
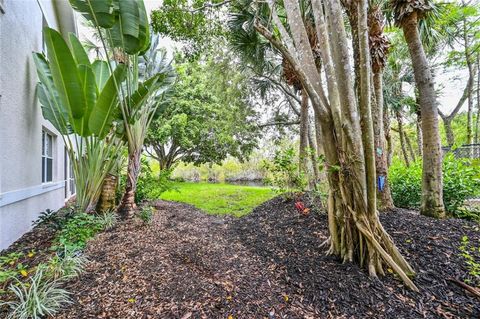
(266, 265)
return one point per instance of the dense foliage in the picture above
(284, 174)
(461, 180)
(207, 118)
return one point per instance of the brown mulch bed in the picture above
(188, 264)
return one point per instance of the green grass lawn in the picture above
(220, 199)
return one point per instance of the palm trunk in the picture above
(106, 201)
(303, 132)
(127, 205)
(419, 135)
(388, 135)
(384, 196)
(432, 180)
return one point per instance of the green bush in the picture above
(283, 172)
(77, 231)
(149, 186)
(461, 180)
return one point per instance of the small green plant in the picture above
(284, 173)
(149, 186)
(40, 297)
(108, 219)
(77, 231)
(146, 214)
(54, 219)
(66, 265)
(471, 256)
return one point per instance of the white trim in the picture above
(11, 197)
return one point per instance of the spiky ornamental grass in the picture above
(42, 296)
(108, 219)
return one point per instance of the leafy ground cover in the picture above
(219, 199)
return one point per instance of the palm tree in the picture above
(407, 15)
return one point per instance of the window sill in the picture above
(48, 184)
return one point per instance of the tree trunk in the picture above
(402, 137)
(303, 156)
(470, 108)
(432, 180)
(409, 146)
(127, 205)
(447, 124)
(477, 122)
(418, 125)
(388, 135)
(384, 195)
(313, 158)
(318, 137)
(106, 201)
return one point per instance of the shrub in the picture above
(146, 214)
(149, 186)
(40, 297)
(284, 174)
(461, 180)
(77, 231)
(54, 220)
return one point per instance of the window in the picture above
(47, 157)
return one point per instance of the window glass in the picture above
(47, 157)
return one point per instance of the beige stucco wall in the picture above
(21, 121)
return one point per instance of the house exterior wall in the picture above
(22, 194)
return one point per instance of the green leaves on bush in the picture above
(146, 214)
(471, 256)
(284, 174)
(149, 186)
(461, 180)
(77, 231)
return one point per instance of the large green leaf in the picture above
(100, 12)
(52, 108)
(131, 32)
(89, 89)
(78, 50)
(144, 31)
(102, 72)
(65, 74)
(101, 116)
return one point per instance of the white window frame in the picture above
(46, 156)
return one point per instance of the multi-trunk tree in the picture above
(345, 120)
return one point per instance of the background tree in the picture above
(207, 117)
(407, 16)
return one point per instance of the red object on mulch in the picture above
(268, 264)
